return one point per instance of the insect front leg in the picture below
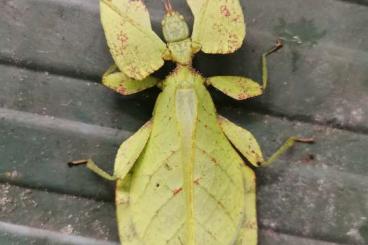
(128, 153)
(116, 80)
(241, 88)
(248, 146)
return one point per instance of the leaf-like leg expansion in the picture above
(128, 153)
(130, 150)
(249, 230)
(91, 165)
(241, 88)
(247, 145)
(121, 83)
(243, 140)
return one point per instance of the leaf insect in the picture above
(180, 178)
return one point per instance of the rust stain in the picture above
(123, 38)
(177, 191)
(225, 11)
(233, 41)
(237, 18)
(134, 71)
(250, 225)
(242, 96)
(209, 156)
(196, 181)
(121, 89)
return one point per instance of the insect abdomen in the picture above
(186, 116)
(187, 187)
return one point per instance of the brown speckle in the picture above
(196, 181)
(242, 96)
(225, 11)
(308, 158)
(177, 191)
(123, 38)
(167, 166)
(121, 90)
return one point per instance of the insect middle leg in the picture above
(284, 147)
(241, 88)
(248, 146)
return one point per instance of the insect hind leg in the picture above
(91, 165)
(284, 147)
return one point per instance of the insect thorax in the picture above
(184, 77)
(181, 51)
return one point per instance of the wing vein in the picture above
(219, 203)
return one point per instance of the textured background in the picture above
(53, 109)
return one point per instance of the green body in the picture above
(187, 184)
(179, 178)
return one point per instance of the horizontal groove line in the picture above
(49, 122)
(261, 226)
(358, 2)
(36, 233)
(58, 191)
(360, 56)
(116, 135)
(50, 236)
(69, 73)
(358, 182)
(309, 120)
(290, 234)
(260, 109)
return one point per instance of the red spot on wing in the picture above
(242, 96)
(225, 11)
(233, 41)
(177, 191)
(121, 90)
(237, 18)
(196, 181)
(123, 38)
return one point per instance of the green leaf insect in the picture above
(180, 178)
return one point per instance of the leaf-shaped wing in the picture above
(219, 26)
(135, 48)
(187, 186)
